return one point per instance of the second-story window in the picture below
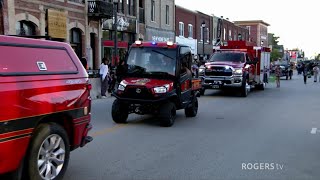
(121, 6)
(190, 30)
(153, 10)
(167, 14)
(181, 29)
(77, 1)
(131, 5)
(207, 34)
(249, 28)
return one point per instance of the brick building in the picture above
(157, 21)
(258, 31)
(204, 33)
(186, 28)
(231, 31)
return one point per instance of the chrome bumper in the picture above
(222, 81)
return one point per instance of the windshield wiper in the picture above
(136, 69)
(162, 53)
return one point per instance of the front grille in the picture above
(217, 71)
(132, 92)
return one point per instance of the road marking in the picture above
(108, 130)
(313, 130)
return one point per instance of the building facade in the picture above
(231, 32)
(186, 28)
(258, 31)
(204, 34)
(127, 16)
(157, 20)
(59, 20)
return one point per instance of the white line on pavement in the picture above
(313, 130)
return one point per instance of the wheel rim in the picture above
(51, 157)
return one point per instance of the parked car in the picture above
(45, 109)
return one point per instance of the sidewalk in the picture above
(95, 92)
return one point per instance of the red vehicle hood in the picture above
(147, 82)
(226, 63)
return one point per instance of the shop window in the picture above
(25, 28)
(106, 35)
(76, 41)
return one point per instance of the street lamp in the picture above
(203, 25)
(115, 25)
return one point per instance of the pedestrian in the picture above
(104, 72)
(305, 73)
(278, 74)
(315, 72)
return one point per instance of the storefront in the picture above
(126, 36)
(192, 43)
(159, 35)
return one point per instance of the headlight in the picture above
(201, 70)
(122, 86)
(237, 71)
(162, 89)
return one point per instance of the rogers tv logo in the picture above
(262, 166)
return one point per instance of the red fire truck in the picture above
(239, 65)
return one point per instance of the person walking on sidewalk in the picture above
(305, 73)
(278, 74)
(104, 71)
(315, 72)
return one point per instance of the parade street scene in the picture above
(159, 90)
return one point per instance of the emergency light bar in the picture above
(169, 43)
(243, 50)
(138, 42)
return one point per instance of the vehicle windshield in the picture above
(232, 57)
(149, 60)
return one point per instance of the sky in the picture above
(296, 22)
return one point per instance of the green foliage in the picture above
(275, 55)
(318, 57)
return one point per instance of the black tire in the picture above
(41, 134)
(243, 90)
(192, 111)
(260, 86)
(202, 90)
(167, 114)
(119, 112)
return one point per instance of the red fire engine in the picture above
(239, 65)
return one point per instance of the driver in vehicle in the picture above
(168, 65)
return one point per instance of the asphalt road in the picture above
(268, 135)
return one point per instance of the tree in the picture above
(318, 57)
(275, 53)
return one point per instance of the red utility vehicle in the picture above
(157, 80)
(45, 107)
(238, 65)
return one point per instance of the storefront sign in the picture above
(57, 24)
(159, 35)
(123, 24)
